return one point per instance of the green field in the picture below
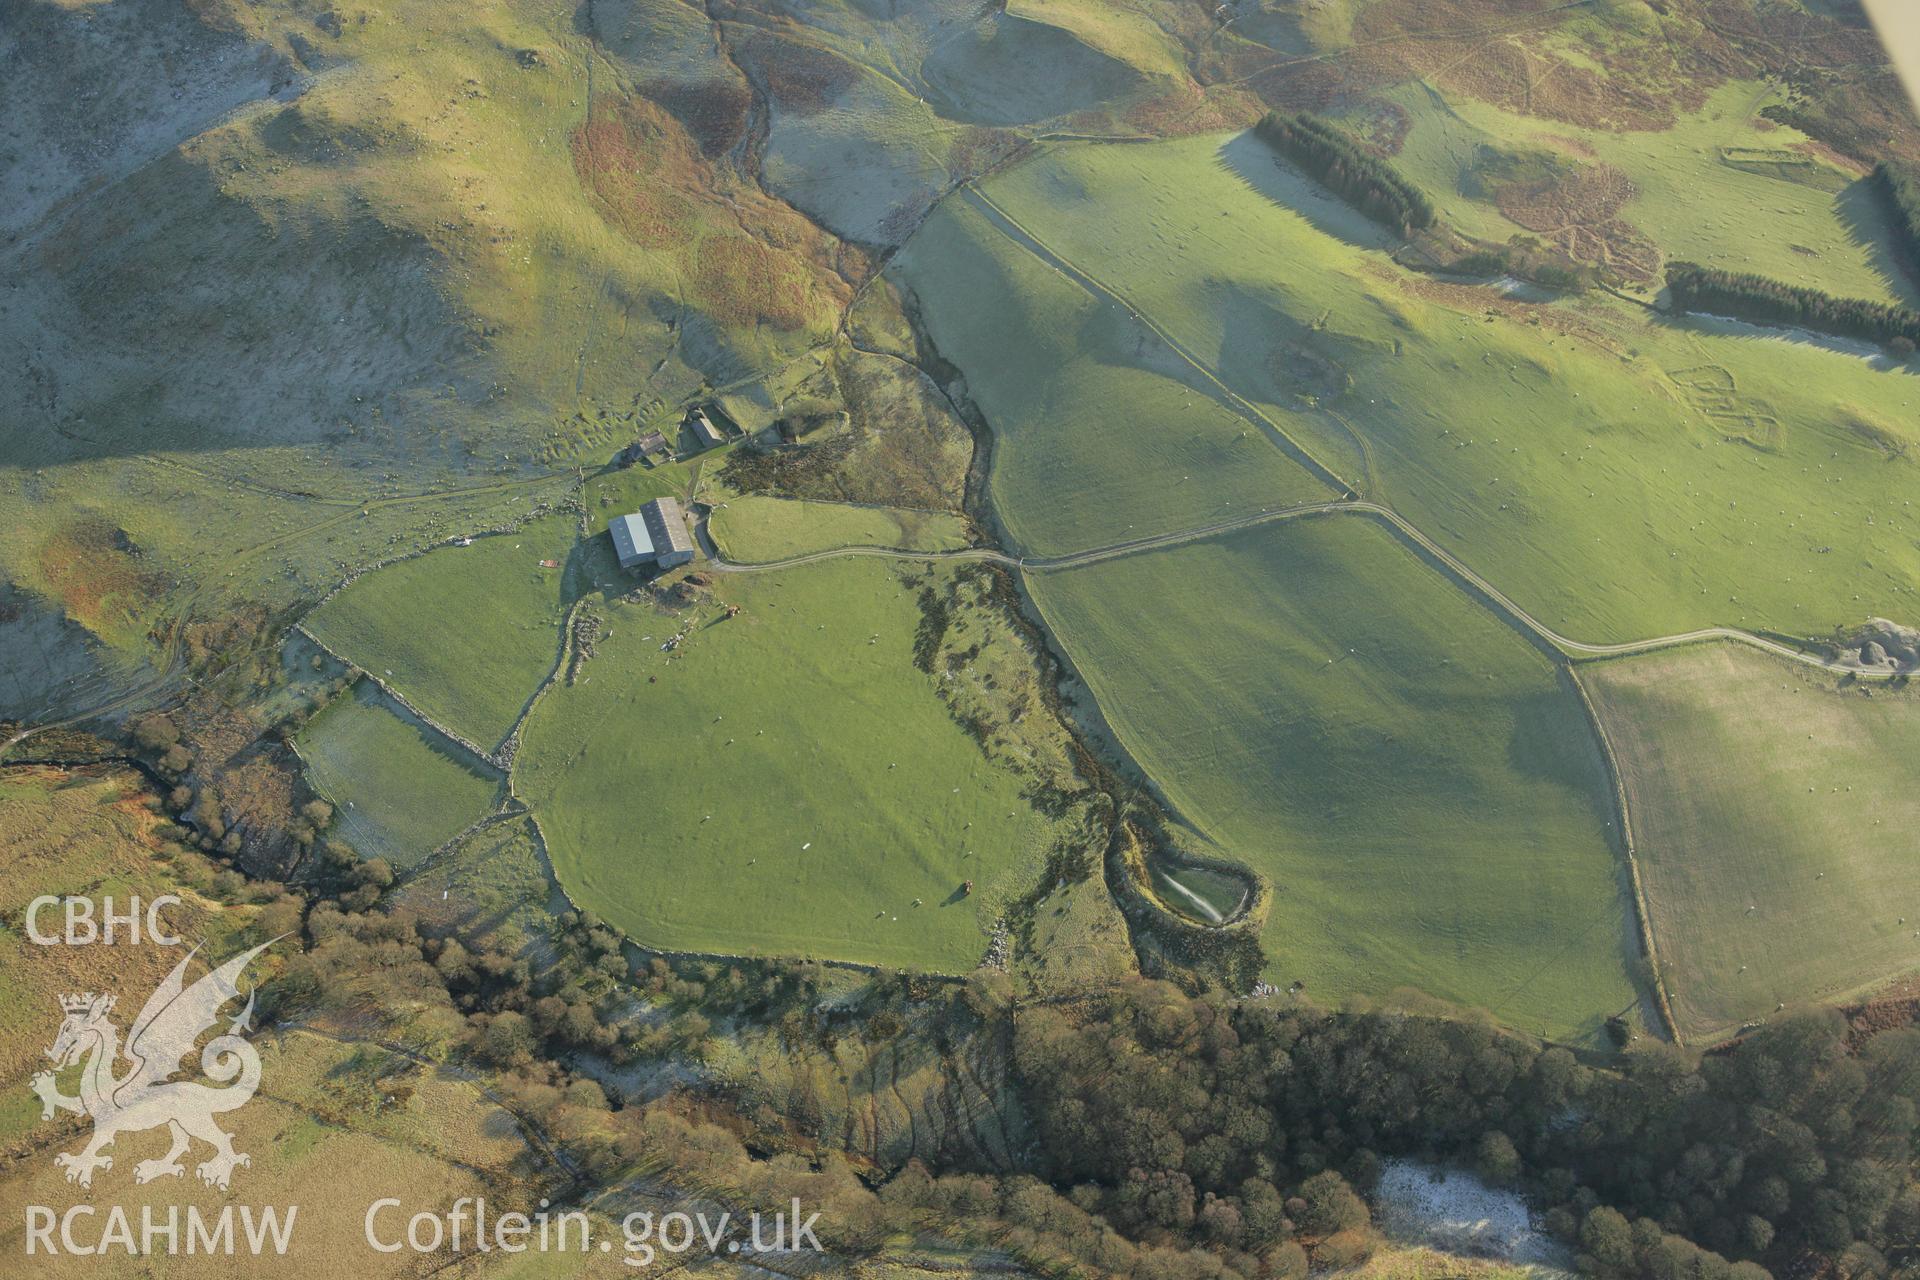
(752, 529)
(1618, 475)
(399, 789)
(620, 490)
(1721, 187)
(783, 782)
(1415, 780)
(464, 633)
(1100, 435)
(1774, 812)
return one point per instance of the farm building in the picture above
(705, 434)
(655, 534)
(649, 445)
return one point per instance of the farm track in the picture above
(1497, 600)
(1491, 595)
(1232, 400)
(1028, 563)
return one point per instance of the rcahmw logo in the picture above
(144, 1096)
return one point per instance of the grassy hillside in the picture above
(464, 633)
(1414, 779)
(1100, 432)
(305, 264)
(786, 781)
(1618, 474)
(322, 1109)
(1722, 186)
(398, 788)
(1771, 809)
(326, 1104)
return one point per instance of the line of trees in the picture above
(1900, 184)
(1358, 176)
(1751, 297)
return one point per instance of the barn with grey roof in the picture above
(656, 534)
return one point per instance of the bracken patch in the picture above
(1515, 60)
(654, 184)
(637, 159)
(742, 282)
(713, 111)
(1381, 124)
(1576, 211)
(978, 149)
(94, 569)
(1188, 109)
(1306, 85)
(801, 78)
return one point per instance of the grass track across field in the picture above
(1413, 776)
(750, 528)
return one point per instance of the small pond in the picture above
(1204, 894)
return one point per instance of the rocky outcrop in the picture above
(1881, 646)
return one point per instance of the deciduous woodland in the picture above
(1193, 1135)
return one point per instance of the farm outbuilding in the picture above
(647, 446)
(656, 534)
(705, 434)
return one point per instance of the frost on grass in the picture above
(1455, 1211)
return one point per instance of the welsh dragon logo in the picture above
(171, 1022)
